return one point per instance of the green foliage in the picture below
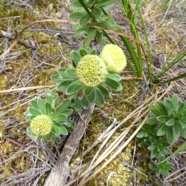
(92, 12)
(70, 84)
(55, 109)
(164, 127)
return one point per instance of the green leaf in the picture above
(100, 39)
(182, 122)
(68, 112)
(154, 109)
(69, 124)
(162, 130)
(99, 97)
(170, 122)
(63, 130)
(153, 121)
(104, 91)
(90, 36)
(169, 105)
(83, 52)
(176, 132)
(48, 108)
(104, 4)
(85, 102)
(75, 57)
(64, 105)
(57, 139)
(81, 31)
(160, 106)
(141, 134)
(113, 84)
(48, 137)
(115, 77)
(170, 135)
(163, 119)
(41, 105)
(88, 90)
(61, 71)
(34, 104)
(63, 86)
(77, 15)
(85, 19)
(92, 96)
(97, 12)
(77, 103)
(73, 87)
(34, 112)
(58, 117)
(175, 101)
(76, 3)
(56, 78)
(71, 73)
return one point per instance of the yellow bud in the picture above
(41, 125)
(91, 70)
(114, 58)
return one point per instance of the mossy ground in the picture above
(32, 62)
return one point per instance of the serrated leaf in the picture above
(99, 97)
(73, 87)
(85, 19)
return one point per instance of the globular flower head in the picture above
(114, 58)
(91, 70)
(41, 125)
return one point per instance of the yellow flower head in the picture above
(91, 70)
(114, 58)
(41, 125)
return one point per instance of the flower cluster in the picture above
(114, 58)
(91, 70)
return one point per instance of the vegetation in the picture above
(113, 60)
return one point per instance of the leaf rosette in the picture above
(49, 118)
(89, 82)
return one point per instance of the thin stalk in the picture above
(149, 62)
(166, 68)
(94, 19)
(181, 148)
(173, 79)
